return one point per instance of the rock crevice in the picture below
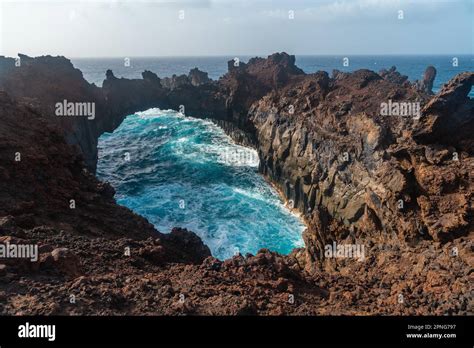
(400, 185)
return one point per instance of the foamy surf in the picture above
(186, 172)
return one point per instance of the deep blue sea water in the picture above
(412, 66)
(185, 172)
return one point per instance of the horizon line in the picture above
(254, 55)
(266, 55)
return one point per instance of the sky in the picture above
(126, 28)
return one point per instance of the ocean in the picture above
(186, 172)
(411, 66)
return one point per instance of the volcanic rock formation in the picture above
(426, 85)
(400, 185)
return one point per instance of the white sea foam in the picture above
(193, 161)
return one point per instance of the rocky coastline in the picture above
(401, 185)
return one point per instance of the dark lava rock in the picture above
(355, 175)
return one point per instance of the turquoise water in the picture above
(181, 171)
(186, 172)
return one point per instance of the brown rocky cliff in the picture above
(44, 81)
(448, 118)
(321, 140)
(40, 175)
(356, 174)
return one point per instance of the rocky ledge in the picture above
(400, 185)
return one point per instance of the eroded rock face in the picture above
(355, 173)
(198, 77)
(44, 182)
(428, 79)
(175, 81)
(448, 118)
(394, 76)
(399, 185)
(322, 140)
(244, 84)
(42, 82)
(195, 78)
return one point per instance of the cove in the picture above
(180, 171)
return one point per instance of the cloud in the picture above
(124, 28)
(360, 9)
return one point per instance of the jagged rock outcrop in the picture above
(198, 77)
(394, 76)
(448, 118)
(400, 184)
(321, 140)
(43, 82)
(356, 173)
(175, 81)
(195, 78)
(244, 84)
(426, 85)
(44, 181)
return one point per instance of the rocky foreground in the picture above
(399, 185)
